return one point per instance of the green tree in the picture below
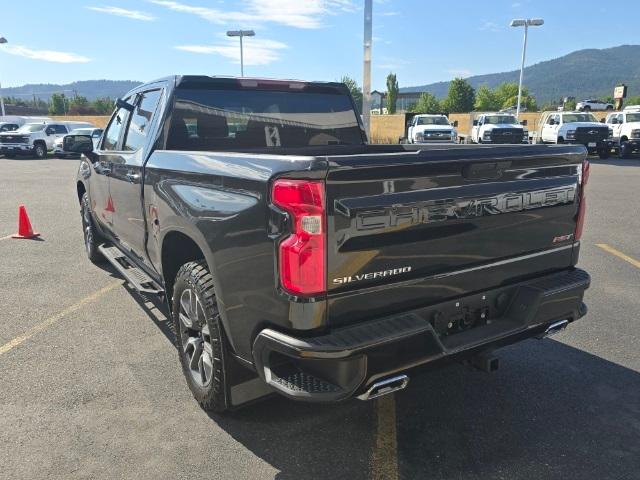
(103, 106)
(570, 105)
(507, 96)
(392, 93)
(57, 105)
(632, 100)
(486, 100)
(460, 98)
(80, 105)
(355, 90)
(427, 103)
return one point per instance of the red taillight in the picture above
(582, 199)
(301, 256)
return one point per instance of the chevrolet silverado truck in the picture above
(577, 127)
(625, 128)
(35, 139)
(431, 128)
(296, 258)
(498, 128)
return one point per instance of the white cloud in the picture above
(460, 72)
(256, 51)
(45, 55)
(390, 14)
(490, 26)
(292, 13)
(123, 12)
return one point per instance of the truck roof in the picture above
(208, 81)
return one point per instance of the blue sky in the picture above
(423, 41)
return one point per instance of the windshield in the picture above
(497, 119)
(633, 117)
(578, 117)
(210, 119)
(31, 127)
(433, 121)
(81, 131)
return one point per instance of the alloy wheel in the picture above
(195, 338)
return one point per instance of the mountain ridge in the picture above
(564, 76)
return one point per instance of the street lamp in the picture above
(241, 34)
(2, 41)
(366, 73)
(526, 23)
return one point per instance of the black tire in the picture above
(560, 140)
(625, 150)
(609, 108)
(586, 108)
(199, 333)
(92, 239)
(604, 153)
(40, 150)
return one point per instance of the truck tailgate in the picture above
(413, 228)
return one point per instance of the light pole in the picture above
(366, 73)
(526, 23)
(2, 41)
(241, 33)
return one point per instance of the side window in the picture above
(60, 129)
(110, 141)
(141, 120)
(621, 118)
(96, 133)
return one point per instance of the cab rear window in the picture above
(235, 120)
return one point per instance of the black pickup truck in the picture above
(296, 258)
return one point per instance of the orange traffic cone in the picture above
(24, 225)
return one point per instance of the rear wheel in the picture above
(92, 239)
(586, 108)
(199, 336)
(609, 107)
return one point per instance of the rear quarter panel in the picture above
(220, 200)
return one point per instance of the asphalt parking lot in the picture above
(91, 387)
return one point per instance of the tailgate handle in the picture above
(485, 171)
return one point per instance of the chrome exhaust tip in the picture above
(383, 387)
(554, 328)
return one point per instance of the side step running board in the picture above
(132, 274)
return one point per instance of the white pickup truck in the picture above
(625, 127)
(498, 128)
(576, 127)
(429, 128)
(35, 139)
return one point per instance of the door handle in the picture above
(132, 177)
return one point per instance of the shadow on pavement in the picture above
(550, 412)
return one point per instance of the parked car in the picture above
(625, 127)
(296, 258)
(498, 128)
(513, 109)
(35, 139)
(592, 105)
(428, 128)
(577, 127)
(94, 133)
